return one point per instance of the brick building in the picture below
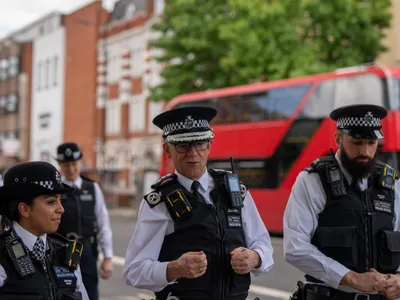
(128, 148)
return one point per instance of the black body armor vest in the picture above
(78, 221)
(356, 227)
(215, 229)
(53, 280)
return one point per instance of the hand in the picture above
(243, 260)
(106, 268)
(367, 282)
(189, 265)
(392, 291)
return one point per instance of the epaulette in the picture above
(155, 197)
(383, 165)
(58, 239)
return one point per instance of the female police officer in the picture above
(35, 263)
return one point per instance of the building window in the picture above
(55, 66)
(44, 120)
(137, 114)
(12, 102)
(3, 69)
(113, 117)
(39, 76)
(47, 73)
(137, 64)
(13, 68)
(3, 103)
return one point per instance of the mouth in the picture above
(58, 220)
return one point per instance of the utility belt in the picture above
(310, 291)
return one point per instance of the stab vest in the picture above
(78, 221)
(356, 229)
(53, 280)
(215, 229)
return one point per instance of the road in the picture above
(274, 285)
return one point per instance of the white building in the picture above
(47, 115)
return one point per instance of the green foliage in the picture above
(220, 43)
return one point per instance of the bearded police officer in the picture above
(198, 233)
(342, 219)
(86, 218)
(36, 263)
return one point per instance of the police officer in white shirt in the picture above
(192, 241)
(342, 219)
(33, 261)
(85, 218)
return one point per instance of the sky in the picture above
(15, 14)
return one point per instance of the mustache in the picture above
(363, 157)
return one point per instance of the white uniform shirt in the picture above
(142, 268)
(29, 240)
(102, 218)
(306, 201)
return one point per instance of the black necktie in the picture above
(196, 193)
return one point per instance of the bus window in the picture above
(258, 174)
(227, 108)
(254, 107)
(320, 103)
(285, 100)
(363, 89)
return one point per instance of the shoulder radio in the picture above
(335, 178)
(232, 184)
(18, 254)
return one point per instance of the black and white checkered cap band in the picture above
(46, 184)
(347, 122)
(187, 124)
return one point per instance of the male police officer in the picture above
(194, 239)
(85, 218)
(342, 219)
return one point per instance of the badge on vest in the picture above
(86, 196)
(234, 218)
(65, 277)
(383, 206)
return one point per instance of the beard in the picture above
(355, 168)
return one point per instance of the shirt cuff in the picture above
(160, 274)
(108, 253)
(335, 275)
(263, 266)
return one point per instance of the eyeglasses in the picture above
(184, 147)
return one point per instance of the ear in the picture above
(338, 139)
(24, 210)
(167, 151)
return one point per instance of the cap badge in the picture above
(369, 117)
(189, 122)
(68, 152)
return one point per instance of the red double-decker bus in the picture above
(275, 129)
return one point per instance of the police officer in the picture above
(192, 239)
(342, 219)
(85, 218)
(34, 259)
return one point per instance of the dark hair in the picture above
(9, 208)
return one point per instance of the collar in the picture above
(77, 182)
(187, 182)
(28, 238)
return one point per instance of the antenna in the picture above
(232, 166)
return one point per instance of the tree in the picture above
(220, 43)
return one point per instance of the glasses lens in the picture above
(201, 145)
(182, 147)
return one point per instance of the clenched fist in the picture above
(243, 260)
(189, 265)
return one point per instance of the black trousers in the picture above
(90, 275)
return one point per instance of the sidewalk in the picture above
(127, 212)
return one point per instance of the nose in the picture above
(192, 150)
(60, 208)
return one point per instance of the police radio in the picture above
(232, 184)
(18, 254)
(335, 178)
